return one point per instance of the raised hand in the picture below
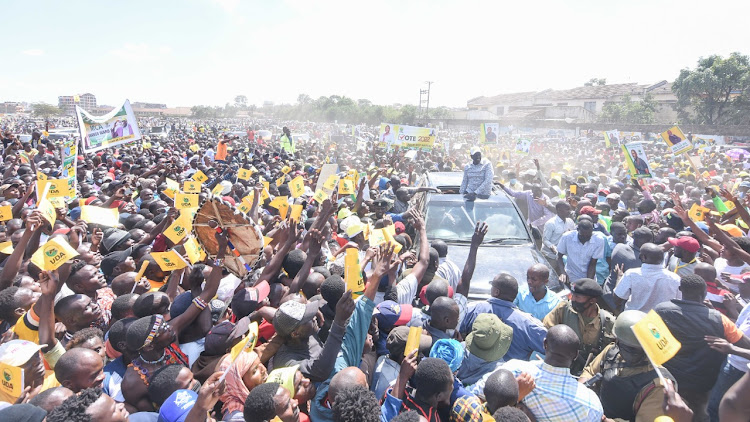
(525, 383)
(479, 232)
(344, 308)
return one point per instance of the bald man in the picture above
(79, 369)
(558, 396)
(645, 287)
(444, 312)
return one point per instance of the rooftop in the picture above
(578, 93)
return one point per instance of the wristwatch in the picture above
(218, 262)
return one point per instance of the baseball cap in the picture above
(586, 287)
(177, 406)
(284, 377)
(400, 228)
(615, 196)
(732, 229)
(18, 352)
(292, 314)
(248, 300)
(474, 150)
(354, 229)
(685, 242)
(489, 338)
(590, 210)
(344, 213)
(392, 314)
(745, 184)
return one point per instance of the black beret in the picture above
(586, 287)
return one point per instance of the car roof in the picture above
(451, 181)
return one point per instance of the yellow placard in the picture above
(296, 212)
(172, 188)
(244, 174)
(98, 215)
(330, 184)
(278, 201)
(377, 237)
(297, 186)
(186, 200)
(6, 213)
(353, 272)
(53, 254)
(179, 228)
(248, 344)
(169, 261)
(200, 177)
(346, 187)
(194, 148)
(283, 209)
(412, 340)
(12, 382)
(244, 207)
(57, 202)
(41, 176)
(195, 251)
(676, 141)
(264, 195)
(267, 241)
(320, 196)
(58, 188)
(280, 181)
(286, 169)
(655, 338)
(48, 211)
(191, 186)
(573, 189)
(216, 191)
(6, 247)
(697, 212)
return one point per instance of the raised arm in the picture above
(471, 261)
(316, 241)
(13, 263)
(424, 249)
(44, 308)
(274, 265)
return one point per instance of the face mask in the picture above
(450, 332)
(513, 181)
(579, 307)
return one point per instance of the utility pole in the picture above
(427, 101)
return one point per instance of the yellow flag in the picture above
(191, 186)
(12, 382)
(244, 174)
(264, 195)
(6, 247)
(296, 212)
(267, 240)
(283, 209)
(346, 187)
(98, 215)
(697, 212)
(194, 250)
(280, 181)
(57, 187)
(286, 169)
(194, 148)
(320, 196)
(179, 228)
(53, 254)
(278, 201)
(244, 207)
(41, 176)
(200, 177)
(377, 238)
(412, 340)
(169, 261)
(330, 184)
(216, 191)
(172, 188)
(6, 213)
(48, 211)
(186, 200)
(249, 198)
(248, 344)
(297, 186)
(655, 338)
(353, 273)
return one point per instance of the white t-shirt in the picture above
(722, 266)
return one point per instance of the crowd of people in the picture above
(112, 335)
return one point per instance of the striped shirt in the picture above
(558, 396)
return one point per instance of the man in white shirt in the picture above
(583, 249)
(554, 228)
(447, 268)
(647, 286)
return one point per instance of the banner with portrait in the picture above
(612, 137)
(635, 158)
(488, 133)
(117, 127)
(677, 141)
(406, 137)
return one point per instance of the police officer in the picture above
(582, 314)
(629, 386)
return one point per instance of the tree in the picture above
(596, 81)
(45, 110)
(629, 111)
(240, 101)
(716, 92)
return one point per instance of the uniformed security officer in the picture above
(582, 314)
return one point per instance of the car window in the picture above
(456, 220)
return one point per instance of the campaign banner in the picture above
(612, 137)
(117, 127)
(406, 137)
(488, 133)
(636, 159)
(69, 165)
(523, 146)
(676, 141)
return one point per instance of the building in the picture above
(581, 104)
(68, 103)
(10, 107)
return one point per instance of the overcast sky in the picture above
(190, 52)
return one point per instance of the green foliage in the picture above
(215, 112)
(45, 110)
(596, 81)
(716, 92)
(342, 109)
(629, 111)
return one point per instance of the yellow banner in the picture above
(98, 215)
(191, 186)
(676, 141)
(280, 181)
(216, 191)
(353, 273)
(655, 338)
(346, 187)
(172, 188)
(48, 211)
(169, 261)
(6, 213)
(286, 169)
(320, 196)
(58, 188)
(12, 381)
(297, 186)
(195, 251)
(200, 177)
(697, 212)
(330, 184)
(403, 136)
(179, 228)
(186, 201)
(53, 254)
(296, 212)
(412, 340)
(244, 174)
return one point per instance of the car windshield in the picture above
(455, 221)
(157, 129)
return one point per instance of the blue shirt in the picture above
(528, 332)
(527, 303)
(350, 355)
(602, 266)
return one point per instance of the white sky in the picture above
(190, 52)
